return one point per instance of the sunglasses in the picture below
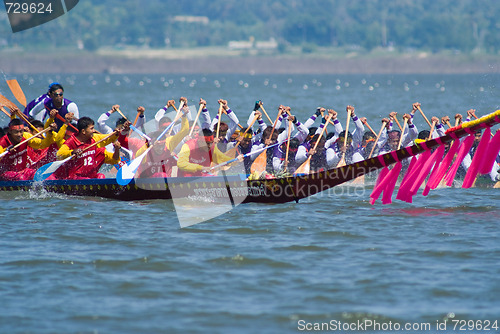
(58, 94)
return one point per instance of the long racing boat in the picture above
(237, 188)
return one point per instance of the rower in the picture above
(197, 154)
(55, 101)
(86, 163)
(161, 159)
(39, 99)
(226, 130)
(15, 166)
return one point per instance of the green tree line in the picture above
(459, 25)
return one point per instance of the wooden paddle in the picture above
(218, 121)
(402, 131)
(394, 116)
(8, 114)
(384, 124)
(446, 120)
(14, 109)
(48, 169)
(365, 122)
(64, 119)
(305, 168)
(288, 144)
(196, 119)
(265, 113)
(433, 126)
(177, 116)
(423, 115)
(15, 88)
(342, 160)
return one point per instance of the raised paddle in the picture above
(342, 160)
(405, 122)
(305, 168)
(365, 122)
(48, 169)
(25, 141)
(288, 144)
(446, 120)
(139, 132)
(394, 116)
(15, 88)
(196, 119)
(127, 172)
(218, 121)
(423, 115)
(384, 124)
(433, 126)
(177, 116)
(265, 113)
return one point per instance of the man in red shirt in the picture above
(87, 161)
(15, 165)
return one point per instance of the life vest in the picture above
(157, 165)
(197, 156)
(14, 161)
(49, 105)
(85, 166)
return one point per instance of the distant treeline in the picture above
(460, 25)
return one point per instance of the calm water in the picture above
(89, 265)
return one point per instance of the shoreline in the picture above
(159, 61)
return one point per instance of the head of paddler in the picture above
(246, 139)
(393, 137)
(235, 135)
(164, 122)
(294, 146)
(223, 129)
(477, 136)
(56, 92)
(312, 132)
(16, 131)
(85, 126)
(340, 140)
(159, 146)
(37, 124)
(69, 132)
(206, 139)
(368, 137)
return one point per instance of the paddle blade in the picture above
(127, 172)
(305, 168)
(48, 169)
(233, 152)
(260, 163)
(17, 91)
